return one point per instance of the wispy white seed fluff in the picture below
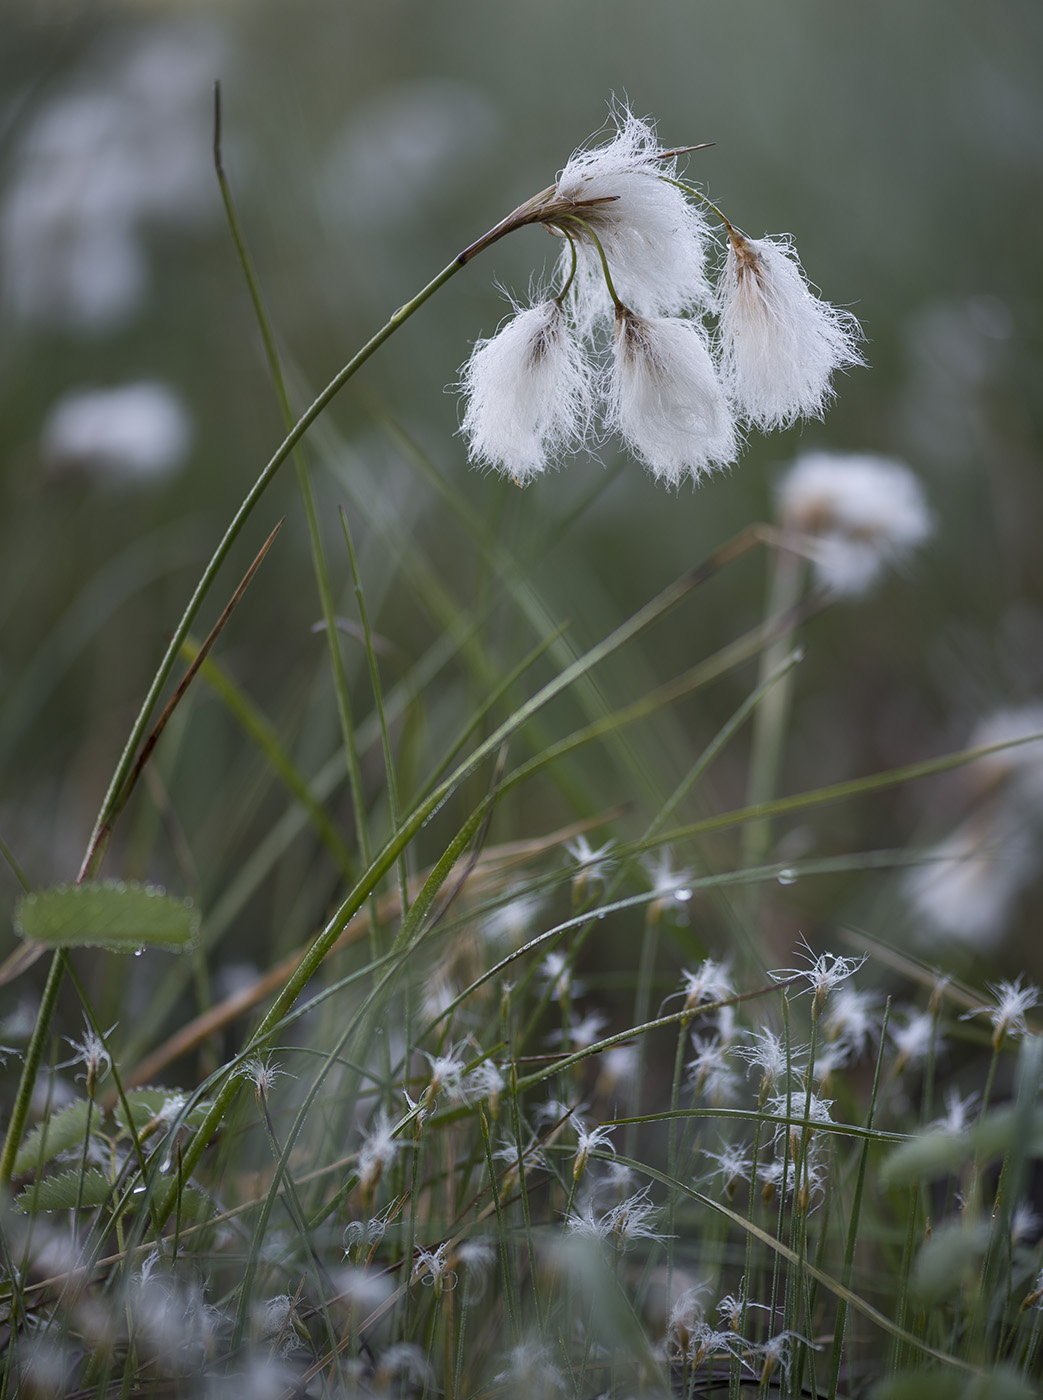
(628, 1221)
(708, 983)
(825, 972)
(862, 513)
(915, 1040)
(852, 1023)
(378, 1150)
(734, 1163)
(528, 394)
(654, 238)
(779, 1060)
(477, 1257)
(591, 865)
(665, 399)
(780, 343)
(596, 1139)
(1008, 1015)
(711, 1073)
(431, 1267)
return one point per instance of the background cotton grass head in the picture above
(1015, 772)
(968, 886)
(109, 152)
(862, 513)
(970, 883)
(131, 432)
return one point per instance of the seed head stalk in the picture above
(771, 720)
(576, 219)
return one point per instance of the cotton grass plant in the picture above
(534, 1113)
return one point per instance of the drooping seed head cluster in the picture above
(626, 340)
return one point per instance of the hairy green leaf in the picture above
(61, 1132)
(109, 914)
(65, 1192)
(90, 1189)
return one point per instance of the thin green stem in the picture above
(30, 1069)
(340, 680)
(840, 1326)
(575, 219)
(378, 699)
(702, 198)
(110, 804)
(671, 1155)
(769, 724)
(14, 867)
(560, 298)
(643, 1000)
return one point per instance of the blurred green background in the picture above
(899, 143)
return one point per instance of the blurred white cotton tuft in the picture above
(861, 513)
(136, 432)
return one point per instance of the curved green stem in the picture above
(111, 803)
(575, 219)
(560, 298)
(703, 199)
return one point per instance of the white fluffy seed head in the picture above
(654, 238)
(665, 399)
(863, 513)
(528, 394)
(780, 343)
